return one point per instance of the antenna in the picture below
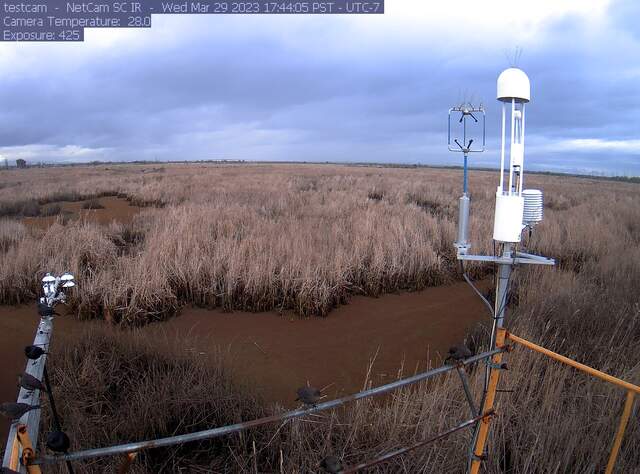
(513, 57)
(467, 112)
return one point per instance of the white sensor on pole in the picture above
(514, 91)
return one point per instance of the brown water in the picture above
(115, 209)
(277, 354)
(18, 325)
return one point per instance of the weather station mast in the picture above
(516, 209)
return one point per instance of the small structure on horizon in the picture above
(20, 163)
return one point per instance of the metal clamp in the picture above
(501, 366)
(28, 453)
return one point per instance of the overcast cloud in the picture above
(332, 88)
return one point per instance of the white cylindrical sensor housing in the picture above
(507, 226)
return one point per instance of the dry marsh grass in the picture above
(307, 237)
(259, 238)
(118, 385)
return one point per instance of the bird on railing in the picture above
(58, 442)
(331, 464)
(308, 395)
(34, 352)
(458, 353)
(14, 411)
(30, 383)
(44, 310)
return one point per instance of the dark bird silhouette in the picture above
(331, 464)
(44, 310)
(30, 383)
(14, 411)
(458, 352)
(308, 395)
(58, 442)
(34, 352)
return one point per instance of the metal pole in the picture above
(513, 109)
(502, 149)
(492, 373)
(502, 288)
(32, 418)
(467, 391)
(463, 210)
(487, 406)
(225, 430)
(465, 179)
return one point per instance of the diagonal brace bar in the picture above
(622, 427)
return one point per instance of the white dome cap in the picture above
(513, 83)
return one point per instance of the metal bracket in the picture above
(462, 248)
(520, 258)
(501, 366)
(28, 453)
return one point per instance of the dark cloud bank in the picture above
(221, 92)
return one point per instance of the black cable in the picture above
(468, 280)
(56, 417)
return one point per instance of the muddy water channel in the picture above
(278, 353)
(102, 211)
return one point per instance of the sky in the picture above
(339, 88)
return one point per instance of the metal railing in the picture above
(229, 429)
(631, 389)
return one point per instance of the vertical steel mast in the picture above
(515, 210)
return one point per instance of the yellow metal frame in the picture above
(22, 440)
(631, 389)
(487, 407)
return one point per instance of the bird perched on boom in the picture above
(308, 395)
(30, 383)
(458, 353)
(14, 411)
(34, 352)
(44, 310)
(58, 442)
